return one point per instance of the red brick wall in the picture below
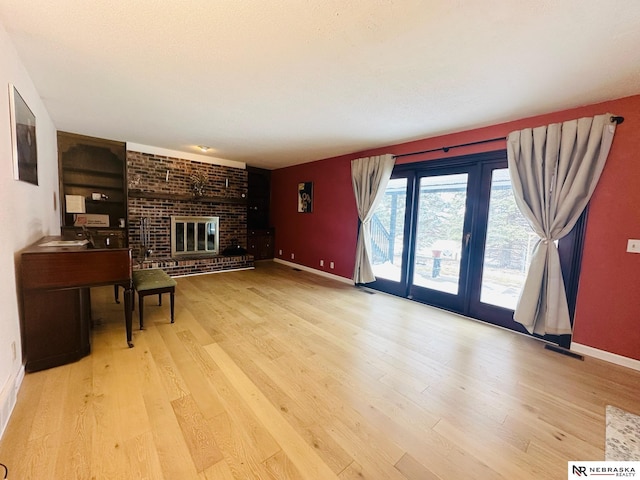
(147, 174)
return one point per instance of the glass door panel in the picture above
(439, 232)
(499, 252)
(387, 231)
(508, 246)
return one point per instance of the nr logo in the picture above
(579, 470)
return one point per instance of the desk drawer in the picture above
(75, 268)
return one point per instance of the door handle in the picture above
(467, 239)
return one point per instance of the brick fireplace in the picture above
(161, 187)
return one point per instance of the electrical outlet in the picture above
(633, 246)
(331, 265)
(322, 263)
(293, 255)
(280, 252)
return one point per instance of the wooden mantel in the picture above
(185, 197)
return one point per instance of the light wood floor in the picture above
(281, 374)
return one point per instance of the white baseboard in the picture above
(606, 356)
(313, 270)
(8, 398)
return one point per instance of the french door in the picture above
(450, 234)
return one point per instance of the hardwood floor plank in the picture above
(507, 462)
(125, 384)
(195, 367)
(23, 418)
(39, 463)
(241, 454)
(460, 409)
(167, 369)
(366, 450)
(559, 440)
(173, 453)
(195, 429)
(219, 471)
(143, 457)
(74, 454)
(108, 456)
(47, 416)
(414, 470)
(189, 323)
(353, 472)
(248, 435)
(280, 466)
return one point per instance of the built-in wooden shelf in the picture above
(185, 197)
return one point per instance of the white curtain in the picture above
(554, 170)
(370, 176)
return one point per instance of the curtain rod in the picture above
(446, 149)
(616, 119)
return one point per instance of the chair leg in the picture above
(171, 295)
(141, 308)
(160, 299)
(116, 292)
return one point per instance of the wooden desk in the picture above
(56, 306)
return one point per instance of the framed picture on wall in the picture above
(23, 138)
(305, 197)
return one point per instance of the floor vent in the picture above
(563, 351)
(296, 270)
(366, 290)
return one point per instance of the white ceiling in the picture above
(280, 82)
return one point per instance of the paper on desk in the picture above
(64, 243)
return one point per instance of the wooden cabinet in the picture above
(94, 169)
(260, 243)
(55, 336)
(258, 198)
(260, 237)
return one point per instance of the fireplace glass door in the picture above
(194, 236)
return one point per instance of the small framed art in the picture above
(23, 138)
(305, 197)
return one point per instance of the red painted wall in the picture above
(608, 304)
(327, 233)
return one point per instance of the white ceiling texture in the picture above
(280, 82)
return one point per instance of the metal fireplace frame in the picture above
(201, 239)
